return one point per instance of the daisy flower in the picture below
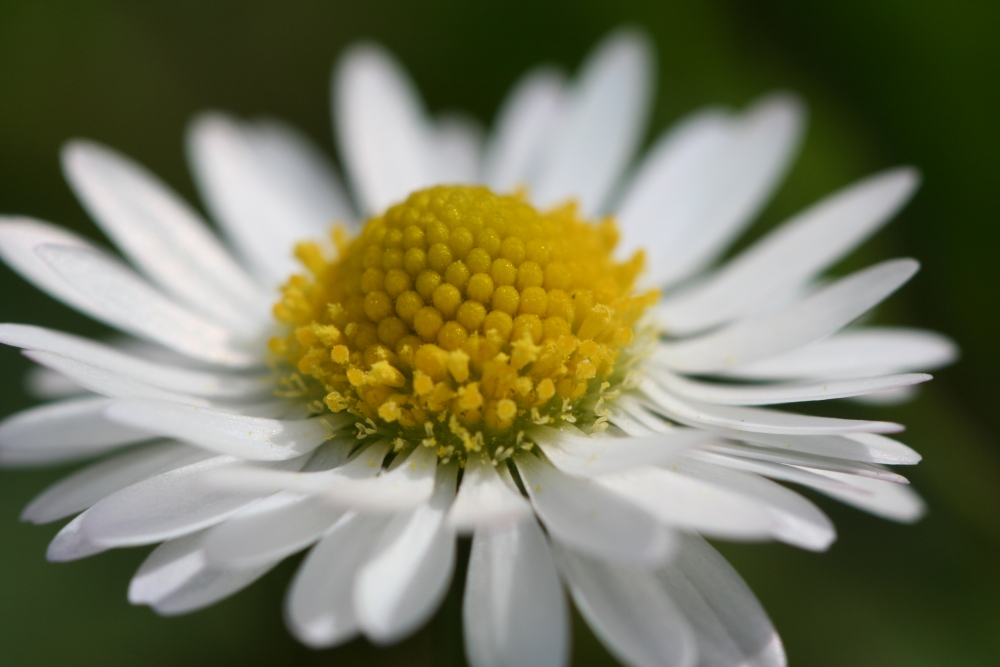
(523, 336)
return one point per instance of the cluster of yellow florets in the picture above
(460, 312)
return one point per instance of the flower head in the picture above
(513, 340)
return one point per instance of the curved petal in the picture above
(757, 420)
(522, 127)
(108, 358)
(71, 543)
(629, 611)
(817, 315)
(319, 609)
(731, 627)
(459, 140)
(603, 121)
(113, 294)
(88, 486)
(161, 235)
(166, 506)
(581, 513)
(255, 438)
(585, 456)
(63, 431)
(513, 610)
(408, 574)
(268, 186)
(794, 253)
(896, 502)
(708, 181)
(867, 351)
(385, 137)
(487, 498)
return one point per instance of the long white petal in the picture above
(786, 457)
(319, 609)
(382, 128)
(168, 377)
(402, 487)
(162, 235)
(867, 447)
(730, 394)
(897, 502)
(629, 611)
(112, 293)
(44, 384)
(584, 456)
(513, 610)
(757, 420)
(707, 181)
(523, 125)
(169, 505)
(795, 252)
(485, 500)
(409, 572)
(267, 186)
(691, 504)
(85, 487)
(798, 521)
(819, 314)
(258, 536)
(867, 351)
(458, 142)
(107, 383)
(732, 628)
(581, 513)
(71, 429)
(256, 438)
(604, 120)
(70, 543)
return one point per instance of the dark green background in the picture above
(887, 82)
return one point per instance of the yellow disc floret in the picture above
(459, 315)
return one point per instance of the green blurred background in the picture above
(887, 82)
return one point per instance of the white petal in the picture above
(115, 295)
(485, 499)
(868, 351)
(87, 486)
(708, 180)
(798, 521)
(732, 394)
(402, 487)
(106, 357)
(785, 457)
(409, 572)
(513, 610)
(71, 429)
(604, 120)
(319, 609)
(769, 334)
(256, 537)
(267, 186)
(166, 506)
(256, 438)
(44, 384)
(383, 131)
(869, 447)
(524, 123)
(757, 420)
(688, 503)
(790, 256)
(585, 456)
(897, 502)
(732, 628)
(459, 142)
(629, 611)
(107, 383)
(581, 513)
(70, 543)
(162, 235)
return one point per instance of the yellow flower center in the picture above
(459, 315)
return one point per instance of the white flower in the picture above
(233, 467)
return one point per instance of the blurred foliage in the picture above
(887, 82)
